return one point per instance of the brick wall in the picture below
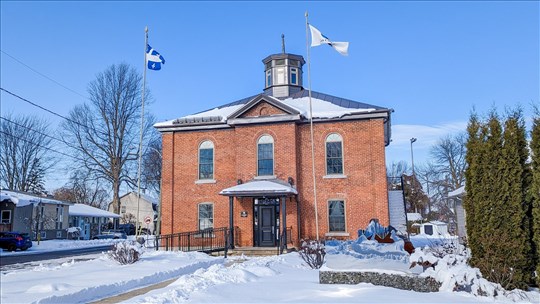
(235, 154)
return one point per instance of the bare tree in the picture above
(151, 173)
(25, 157)
(83, 189)
(103, 131)
(449, 160)
(394, 172)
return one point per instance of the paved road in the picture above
(32, 257)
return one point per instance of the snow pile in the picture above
(450, 267)
(443, 259)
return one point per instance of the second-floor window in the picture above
(206, 160)
(334, 154)
(265, 156)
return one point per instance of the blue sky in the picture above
(432, 62)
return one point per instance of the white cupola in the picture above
(283, 73)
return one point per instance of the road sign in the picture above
(147, 220)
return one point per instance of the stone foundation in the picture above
(406, 282)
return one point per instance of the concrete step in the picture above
(253, 251)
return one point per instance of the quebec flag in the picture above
(153, 58)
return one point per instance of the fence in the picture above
(208, 240)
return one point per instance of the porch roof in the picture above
(85, 210)
(260, 188)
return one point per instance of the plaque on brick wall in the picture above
(243, 214)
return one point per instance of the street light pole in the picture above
(412, 156)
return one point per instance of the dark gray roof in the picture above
(342, 102)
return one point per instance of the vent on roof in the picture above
(195, 120)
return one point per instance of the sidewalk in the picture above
(133, 293)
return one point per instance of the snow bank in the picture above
(95, 279)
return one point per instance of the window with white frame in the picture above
(334, 154)
(6, 217)
(265, 156)
(294, 76)
(59, 216)
(336, 216)
(122, 209)
(206, 216)
(206, 160)
(268, 78)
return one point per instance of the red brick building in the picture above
(248, 164)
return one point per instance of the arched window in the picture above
(206, 160)
(265, 156)
(334, 154)
(206, 216)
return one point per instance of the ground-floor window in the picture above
(6, 216)
(206, 216)
(336, 216)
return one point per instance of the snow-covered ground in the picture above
(204, 279)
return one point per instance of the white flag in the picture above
(317, 38)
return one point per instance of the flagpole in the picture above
(311, 130)
(142, 128)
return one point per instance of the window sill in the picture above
(205, 181)
(335, 176)
(337, 234)
(265, 177)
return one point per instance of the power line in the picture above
(43, 75)
(45, 109)
(23, 126)
(41, 146)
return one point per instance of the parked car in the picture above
(130, 229)
(14, 240)
(111, 234)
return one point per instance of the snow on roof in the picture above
(438, 223)
(259, 187)
(414, 217)
(216, 112)
(85, 210)
(458, 192)
(23, 199)
(321, 108)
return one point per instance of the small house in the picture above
(40, 217)
(90, 220)
(434, 228)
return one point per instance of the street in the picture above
(33, 257)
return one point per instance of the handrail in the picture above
(283, 245)
(207, 240)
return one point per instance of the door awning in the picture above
(273, 187)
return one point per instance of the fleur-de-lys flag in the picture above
(153, 59)
(317, 38)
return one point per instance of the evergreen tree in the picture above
(509, 223)
(535, 191)
(497, 180)
(473, 185)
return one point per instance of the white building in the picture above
(145, 207)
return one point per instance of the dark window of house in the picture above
(336, 216)
(206, 216)
(206, 160)
(334, 154)
(6, 216)
(428, 229)
(265, 156)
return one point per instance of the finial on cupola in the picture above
(283, 43)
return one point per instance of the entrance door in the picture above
(267, 222)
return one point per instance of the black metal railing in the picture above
(283, 241)
(208, 240)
